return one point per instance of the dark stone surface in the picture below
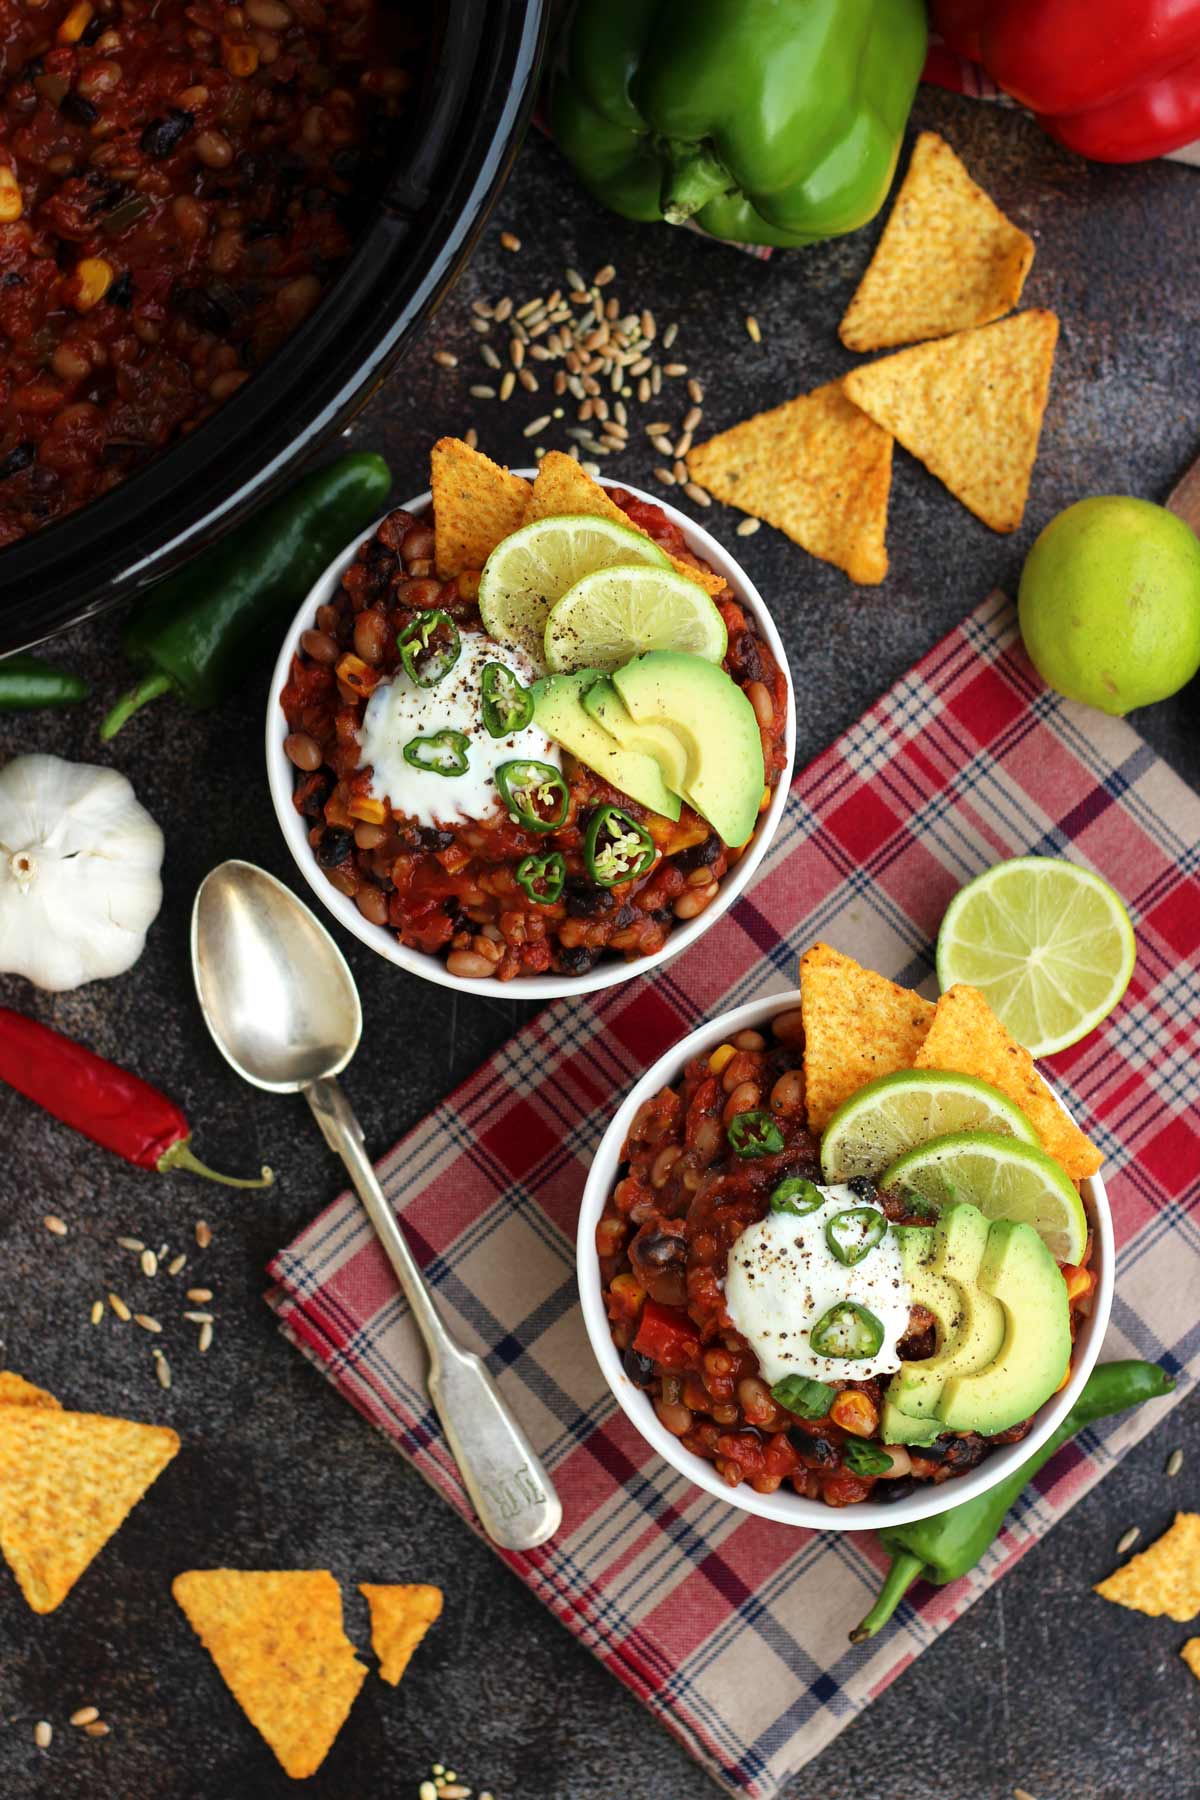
(1041, 1685)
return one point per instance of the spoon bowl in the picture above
(276, 991)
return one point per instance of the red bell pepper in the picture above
(668, 1337)
(1116, 80)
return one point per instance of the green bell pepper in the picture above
(767, 121)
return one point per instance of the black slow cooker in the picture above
(475, 103)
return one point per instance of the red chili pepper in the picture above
(1116, 80)
(667, 1336)
(117, 1110)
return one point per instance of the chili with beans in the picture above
(570, 869)
(663, 1243)
(179, 179)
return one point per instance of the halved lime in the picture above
(1004, 1178)
(898, 1112)
(533, 568)
(615, 614)
(1049, 945)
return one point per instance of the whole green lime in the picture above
(1110, 603)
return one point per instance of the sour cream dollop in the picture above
(399, 711)
(782, 1278)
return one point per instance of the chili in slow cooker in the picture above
(178, 183)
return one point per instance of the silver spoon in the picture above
(281, 1004)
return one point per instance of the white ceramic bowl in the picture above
(527, 987)
(785, 1505)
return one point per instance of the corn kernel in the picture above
(854, 1412)
(358, 676)
(11, 203)
(721, 1058)
(241, 60)
(371, 812)
(93, 278)
(1079, 1282)
(75, 23)
(468, 584)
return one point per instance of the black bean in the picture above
(587, 902)
(432, 839)
(746, 656)
(93, 29)
(12, 279)
(19, 457)
(311, 793)
(161, 136)
(625, 914)
(699, 856)
(815, 1452)
(639, 1368)
(201, 310)
(658, 1250)
(73, 106)
(336, 847)
(899, 1489)
(121, 291)
(862, 1187)
(577, 960)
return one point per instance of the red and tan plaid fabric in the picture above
(732, 1629)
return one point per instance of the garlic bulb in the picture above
(79, 863)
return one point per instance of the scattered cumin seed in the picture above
(146, 1322)
(203, 1233)
(748, 527)
(659, 428)
(679, 470)
(85, 1715)
(603, 276)
(670, 334)
(98, 1728)
(489, 356)
(674, 369)
(198, 1318)
(1128, 1539)
(427, 1791)
(665, 476)
(149, 1263)
(591, 468)
(696, 391)
(503, 309)
(43, 1731)
(536, 426)
(454, 1790)
(201, 1295)
(97, 1311)
(132, 1243)
(754, 328)
(1022, 1794)
(649, 327)
(206, 1336)
(162, 1369)
(695, 492)
(445, 359)
(664, 446)
(481, 326)
(507, 383)
(528, 380)
(516, 353)
(510, 241)
(480, 391)
(119, 1307)
(176, 1264)
(54, 1225)
(692, 418)
(575, 281)
(482, 310)
(471, 437)
(1174, 1462)
(683, 444)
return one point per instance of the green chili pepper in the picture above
(197, 633)
(943, 1548)
(796, 1195)
(542, 877)
(864, 1458)
(442, 753)
(430, 646)
(807, 1399)
(616, 848)
(27, 684)
(848, 1330)
(853, 1234)
(507, 706)
(754, 1134)
(525, 786)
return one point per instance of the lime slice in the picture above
(1048, 944)
(611, 616)
(898, 1112)
(533, 568)
(1005, 1179)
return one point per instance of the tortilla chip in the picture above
(67, 1482)
(948, 258)
(968, 1038)
(277, 1639)
(817, 468)
(476, 504)
(1163, 1579)
(970, 408)
(16, 1391)
(857, 1026)
(400, 1617)
(562, 486)
(1191, 1656)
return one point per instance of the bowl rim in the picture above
(785, 1507)
(524, 987)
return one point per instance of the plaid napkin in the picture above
(732, 1629)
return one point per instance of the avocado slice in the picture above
(897, 1427)
(653, 738)
(558, 707)
(714, 722)
(970, 1323)
(1021, 1274)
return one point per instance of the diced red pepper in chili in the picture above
(667, 1336)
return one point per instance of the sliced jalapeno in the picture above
(506, 705)
(542, 877)
(847, 1330)
(443, 753)
(430, 646)
(754, 1134)
(853, 1234)
(796, 1195)
(616, 848)
(535, 794)
(807, 1399)
(864, 1458)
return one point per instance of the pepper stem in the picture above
(181, 1156)
(148, 688)
(906, 1568)
(693, 177)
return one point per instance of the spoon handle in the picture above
(510, 1490)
